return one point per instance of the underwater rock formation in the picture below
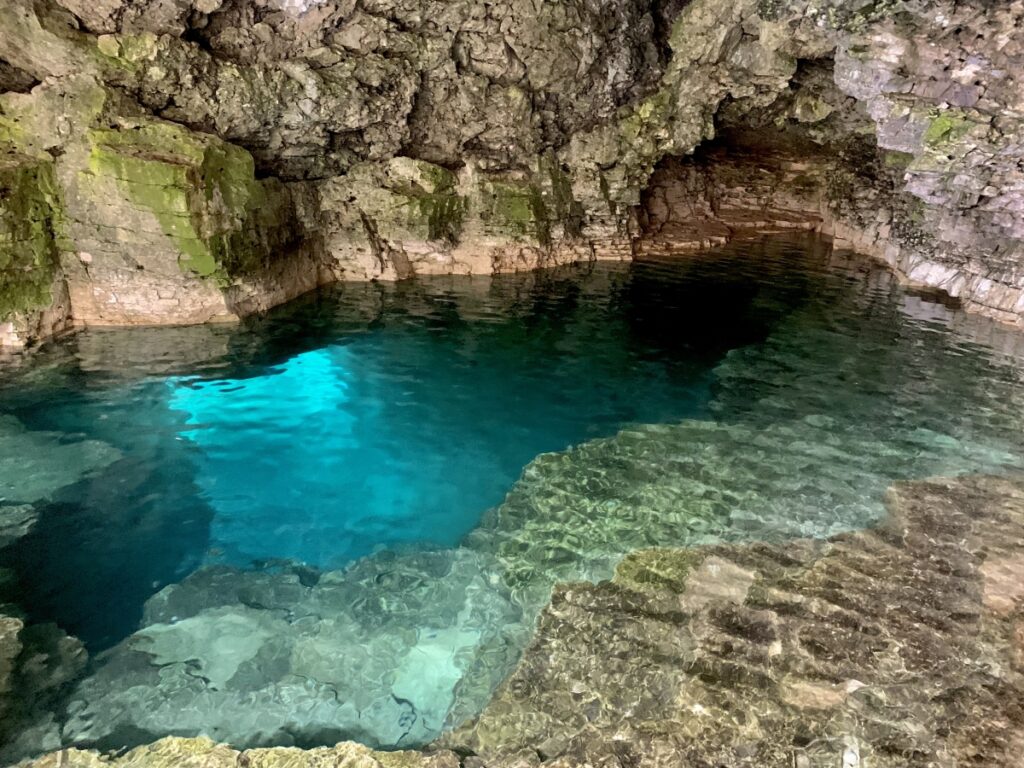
(176, 161)
(900, 645)
(35, 465)
(868, 645)
(299, 656)
(36, 660)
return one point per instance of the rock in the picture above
(32, 295)
(10, 648)
(398, 647)
(140, 220)
(545, 125)
(863, 648)
(37, 661)
(377, 653)
(34, 465)
(204, 753)
(807, 668)
(16, 520)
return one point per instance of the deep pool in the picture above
(339, 520)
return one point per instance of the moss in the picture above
(202, 191)
(897, 161)
(856, 19)
(519, 208)
(433, 201)
(440, 179)
(29, 222)
(541, 218)
(652, 111)
(443, 214)
(154, 140)
(946, 128)
(138, 47)
(511, 204)
(11, 131)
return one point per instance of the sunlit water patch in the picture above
(340, 521)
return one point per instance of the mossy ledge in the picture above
(202, 191)
(29, 226)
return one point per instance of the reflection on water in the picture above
(279, 532)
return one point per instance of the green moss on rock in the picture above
(434, 202)
(29, 220)
(201, 190)
(518, 208)
(947, 128)
(897, 161)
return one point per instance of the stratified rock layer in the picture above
(416, 136)
(900, 645)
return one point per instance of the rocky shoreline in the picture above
(182, 161)
(899, 645)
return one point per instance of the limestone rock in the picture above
(266, 658)
(148, 221)
(16, 520)
(37, 661)
(801, 667)
(552, 119)
(863, 647)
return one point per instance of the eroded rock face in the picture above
(415, 136)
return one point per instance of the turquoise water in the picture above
(340, 520)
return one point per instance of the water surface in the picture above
(340, 520)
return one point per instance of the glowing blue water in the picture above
(204, 498)
(364, 418)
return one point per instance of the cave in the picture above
(469, 384)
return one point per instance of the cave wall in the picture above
(210, 158)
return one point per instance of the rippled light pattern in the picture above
(341, 520)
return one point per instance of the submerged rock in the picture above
(376, 653)
(881, 644)
(204, 753)
(35, 464)
(37, 662)
(899, 645)
(398, 647)
(16, 520)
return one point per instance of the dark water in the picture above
(385, 420)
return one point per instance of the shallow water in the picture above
(339, 521)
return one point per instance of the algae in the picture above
(29, 220)
(202, 191)
(947, 128)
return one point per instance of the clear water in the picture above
(339, 521)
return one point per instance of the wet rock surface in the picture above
(898, 645)
(302, 657)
